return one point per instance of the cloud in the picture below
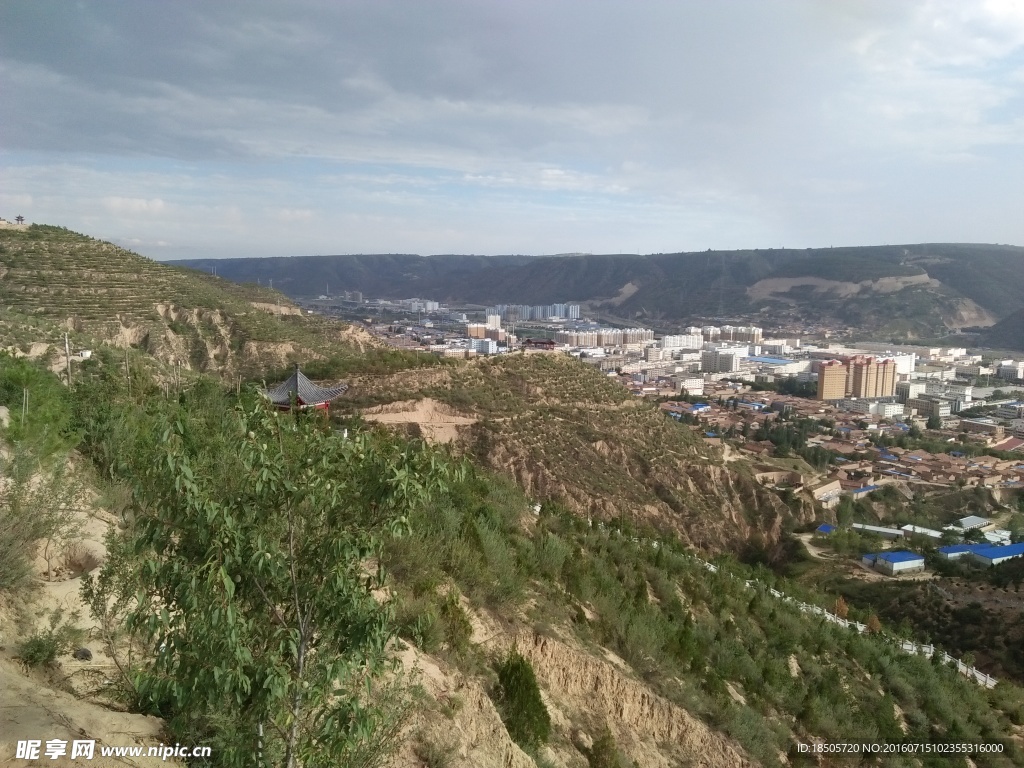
(132, 205)
(290, 215)
(515, 126)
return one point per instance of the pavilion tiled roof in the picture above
(304, 390)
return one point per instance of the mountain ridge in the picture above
(913, 290)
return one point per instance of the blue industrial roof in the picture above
(954, 549)
(770, 360)
(1008, 550)
(825, 528)
(896, 556)
(867, 488)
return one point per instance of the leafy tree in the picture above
(934, 422)
(257, 552)
(520, 703)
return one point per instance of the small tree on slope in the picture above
(256, 585)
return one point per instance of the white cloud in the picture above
(293, 214)
(519, 126)
(132, 205)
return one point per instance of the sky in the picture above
(226, 129)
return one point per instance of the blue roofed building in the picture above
(955, 551)
(894, 563)
(824, 529)
(990, 555)
(864, 490)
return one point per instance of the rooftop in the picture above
(896, 556)
(955, 549)
(1007, 550)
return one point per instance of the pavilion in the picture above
(303, 393)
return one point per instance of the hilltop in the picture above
(637, 651)
(903, 290)
(53, 281)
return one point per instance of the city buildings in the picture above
(515, 312)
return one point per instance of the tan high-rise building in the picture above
(870, 377)
(858, 376)
(832, 380)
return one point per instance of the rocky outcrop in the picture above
(650, 729)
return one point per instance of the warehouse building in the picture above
(956, 551)
(995, 555)
(895, 563)
(885, 533)
(971, 522)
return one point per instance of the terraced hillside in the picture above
(53, 280)
(566, 433)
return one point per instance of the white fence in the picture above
(906, 645)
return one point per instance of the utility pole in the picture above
(24, 404)
(67, 357)
(128, 373)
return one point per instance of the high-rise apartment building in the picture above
(858, 376)
(832, 380)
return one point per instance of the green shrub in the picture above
(457, 628)
(520, 703)
(43, 648)
(605, 752)
(46, 423)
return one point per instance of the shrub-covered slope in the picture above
(53, 280)
(565, 432)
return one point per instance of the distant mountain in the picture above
(1008, 333)
(381, 275)
(907, 290)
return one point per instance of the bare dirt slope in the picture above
(32, 708)
(437, 422)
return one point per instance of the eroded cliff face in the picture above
(710, 504)
(566, 434)
(583, 690)
(649, 729)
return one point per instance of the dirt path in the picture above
(816, 552)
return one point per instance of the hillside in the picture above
(641, 652)
(906, 290)
(1008, 333)
(638, 651)
(54, 281)
(567, 434)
